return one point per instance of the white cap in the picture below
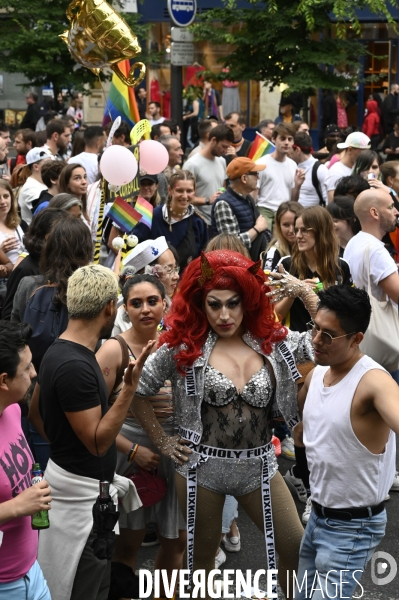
(37, 154)
(145, 253)
(357, 139)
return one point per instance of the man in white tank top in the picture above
(350, 413)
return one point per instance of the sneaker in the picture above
(220, 558)
(395, 484)
(296, 485)
(287, 448)
(232, 544)
(307, 511)
(150, 539)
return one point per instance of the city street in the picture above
(252, 554)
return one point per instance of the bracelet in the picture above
(207, 201)
(132, 453)
(257, 232)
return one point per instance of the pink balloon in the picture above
(118, 165)
(154, 157)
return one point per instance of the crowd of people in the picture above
(252, 310)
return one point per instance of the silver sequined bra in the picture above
(233, 419)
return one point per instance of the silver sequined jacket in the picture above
(161, 366)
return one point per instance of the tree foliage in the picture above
(305, 44)
(31, 44)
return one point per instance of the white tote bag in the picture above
(381, 340)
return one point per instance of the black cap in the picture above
(153, 178)
(332, 130)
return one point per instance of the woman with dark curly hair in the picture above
(69, 246)
(232, 366)
(34, 241)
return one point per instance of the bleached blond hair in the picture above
(90, 288)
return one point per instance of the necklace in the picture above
(340, 375)
(177, 214)
(333, 381)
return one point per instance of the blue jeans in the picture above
(230, 513)
(336, 551)
(31, 587)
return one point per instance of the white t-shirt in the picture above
(209, 177)
(275, 182)
(30, 192)
(307, 193)
(89, 161)
(13, 255)
(337, 171)
(381, 263)
(156, 121)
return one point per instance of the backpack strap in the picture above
(316, 182)
(125, 359)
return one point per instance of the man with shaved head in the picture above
(377, 214)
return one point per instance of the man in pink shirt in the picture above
(20, 573)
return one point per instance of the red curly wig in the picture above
(186, 321)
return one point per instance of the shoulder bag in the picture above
(381, 340)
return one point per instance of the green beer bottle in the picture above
(40, 519)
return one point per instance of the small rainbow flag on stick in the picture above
(145, 209)
(124, 215)
(260, 147)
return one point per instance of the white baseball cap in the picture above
(37, 154)
(145, 253)
(357, 139)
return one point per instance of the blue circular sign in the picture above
(182, 12)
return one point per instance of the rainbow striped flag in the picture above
(145, 209)
(260, 147)
(124, 215)
(121, 100)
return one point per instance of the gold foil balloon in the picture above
(99, 37)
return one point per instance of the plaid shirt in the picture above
(226, 222)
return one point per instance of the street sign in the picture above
(182, 54)
(182, 12)
(179, 34)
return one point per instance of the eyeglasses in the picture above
(173, 270)
(254, 173)
(326, 338)
(302, 230)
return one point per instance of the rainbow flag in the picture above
(124, 215)
(145, 209)
(121, 100)
(260, 147)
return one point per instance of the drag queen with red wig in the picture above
(233, 368)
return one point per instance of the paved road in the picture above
(252, 555)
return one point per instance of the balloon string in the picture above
(105, 99)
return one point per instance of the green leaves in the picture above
(31, 45)
(302, 43)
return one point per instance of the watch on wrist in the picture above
(207, 200)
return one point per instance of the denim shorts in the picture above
(331, 546)
(31, 587)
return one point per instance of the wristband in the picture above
(132, 453)
(207, 201)
(257, 232)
